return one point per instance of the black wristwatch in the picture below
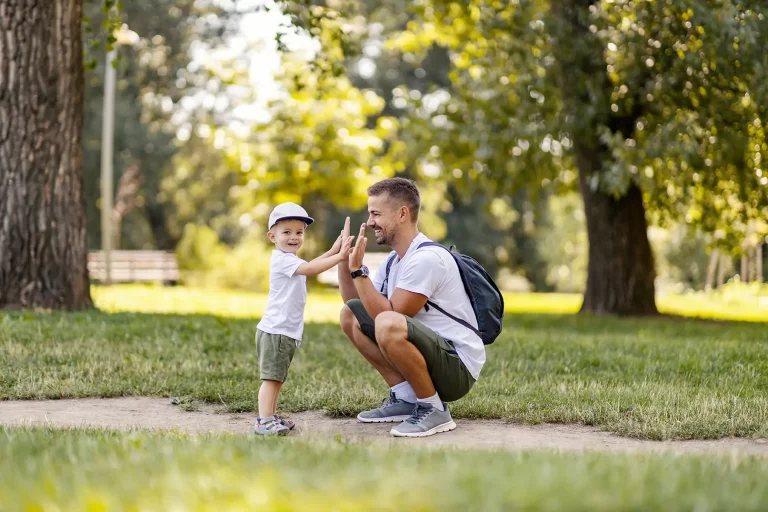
(361, 272)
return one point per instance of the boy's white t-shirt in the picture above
(432, 272)
(287, 297)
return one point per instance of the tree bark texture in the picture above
(620, 271)
(43, 251)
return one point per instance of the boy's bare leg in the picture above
(268, 394)
(369, 349)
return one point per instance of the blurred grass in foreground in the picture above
(74, 470)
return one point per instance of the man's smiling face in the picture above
(383, 219)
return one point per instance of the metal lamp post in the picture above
(124, 37)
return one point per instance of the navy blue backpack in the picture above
(484, 295)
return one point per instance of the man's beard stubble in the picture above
(386, 238)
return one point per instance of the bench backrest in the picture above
(135, 266)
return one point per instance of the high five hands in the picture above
(356, 256)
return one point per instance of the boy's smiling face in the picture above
(288, 235)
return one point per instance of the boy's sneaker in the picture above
(270, 426)
(285, 422)
(393, 410)
(425, 421)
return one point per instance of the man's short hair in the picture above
(400, 189)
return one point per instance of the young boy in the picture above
(279, 331)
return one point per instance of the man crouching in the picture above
(413, 321)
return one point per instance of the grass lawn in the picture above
(66, 470)
(742, 303)
(663, 378)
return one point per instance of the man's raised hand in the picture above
(346, 248)
(356, 257)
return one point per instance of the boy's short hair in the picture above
(400, 189)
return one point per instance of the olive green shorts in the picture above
(450, 377)
(275, 355)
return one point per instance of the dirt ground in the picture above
(159, 413)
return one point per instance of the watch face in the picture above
(365, 270)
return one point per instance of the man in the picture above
(425, 357)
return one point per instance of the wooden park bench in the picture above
(135, 266)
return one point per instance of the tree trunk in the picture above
(43, 251)
(714, 258)
(620, 272)
(725, 266)
(744, 267)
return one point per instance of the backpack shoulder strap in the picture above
(390, 261)
(454, 318)
(432, 304)
(432, 244)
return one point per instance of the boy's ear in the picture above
(271, 236)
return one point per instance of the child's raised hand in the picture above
(337, 244)
(346, 248)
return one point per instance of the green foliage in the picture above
(681, 256)
(465, 97)
(197, 167)
(672, 92)
(155, 74)
(207, 262)
(318, 144)
(338, 34)
(503, 236)
(564, 244)
(318, 148)
(200, 185)
(199, 249)
(111, 21)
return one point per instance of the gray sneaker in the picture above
(425, 421)
(270, 426)
(392, 411)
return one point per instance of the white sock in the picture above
(434, 400)
(404, 391)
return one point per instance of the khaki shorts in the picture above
(275, 355)
(450, 377)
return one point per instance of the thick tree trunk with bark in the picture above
(620, 272)
(43, 251)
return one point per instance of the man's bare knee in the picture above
(390, 327)
(347, 320)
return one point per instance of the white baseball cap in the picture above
(286, 211)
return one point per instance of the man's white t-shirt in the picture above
(432, 271)
(287, 297)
